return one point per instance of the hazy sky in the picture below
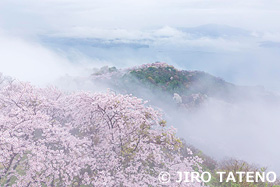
(49, 15)
(231, 47)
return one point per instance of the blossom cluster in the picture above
(49, 138)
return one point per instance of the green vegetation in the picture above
(164, 77)
(167, 78)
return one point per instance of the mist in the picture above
(246, 128)
(30, 62)
(247, 131)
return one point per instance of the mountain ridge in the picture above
(187, 88)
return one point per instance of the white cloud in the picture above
(32, 62)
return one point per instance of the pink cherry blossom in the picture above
(50, 138)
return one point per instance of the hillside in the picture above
(186, 88)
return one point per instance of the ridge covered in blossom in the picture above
(49, 138)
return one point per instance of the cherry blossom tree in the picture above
(36, 146)
(49, 138)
